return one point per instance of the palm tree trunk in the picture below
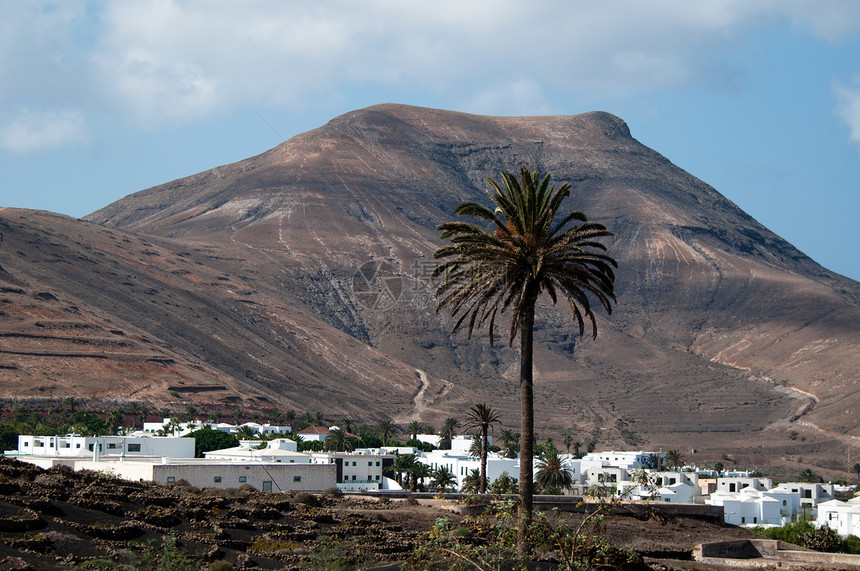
(483, 486)
(527, 421)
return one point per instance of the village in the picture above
(164, 453)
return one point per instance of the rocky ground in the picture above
(59, 519)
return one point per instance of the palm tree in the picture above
(567, 440)
(856, 469)
(418, 472)
(403, 465)
(528, 250)
(553, 475)
(443, 478)
(134, 408)
(449, 430)
(385, 428)
(675, 459)
(482, 416)
(113, 418)
(471, 483)
(339, 441)
(246, 432)
(414, 429)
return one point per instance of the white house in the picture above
(73, 446)
(842, 517)
(753, 507)
(628, 460)
(736, 484)
(809, 494)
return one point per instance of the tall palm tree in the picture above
(417, 473)
(339, 441)
(414, 429)
(856, 469)
(482, 416)
(553, 475)
(675, 459)
(449, 430)
(403, 465)
(385, 428)
(529, 248)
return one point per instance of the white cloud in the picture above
(157, 62)
(32, 131)
(848, 106)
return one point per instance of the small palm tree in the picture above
(443, 479)
(483, 417)
(553, 473)
(529, 249)
(246, 432)
(471, 483)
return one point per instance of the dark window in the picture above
(134, 447)
(243, 479)
(297, 478)
(217, 479)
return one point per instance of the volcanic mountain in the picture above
(301, 278)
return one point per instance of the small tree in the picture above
(207, 439)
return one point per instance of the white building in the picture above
(628, 460)
(280, 450)
(732, 485)
(73, 446)
(461, 464)
(842, 517)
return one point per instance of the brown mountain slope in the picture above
(715, 313)
(103, 314)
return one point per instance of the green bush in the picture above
(822, 539)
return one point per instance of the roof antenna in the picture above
(270, 126)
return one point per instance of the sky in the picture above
(758, 98)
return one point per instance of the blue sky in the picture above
(759, 98)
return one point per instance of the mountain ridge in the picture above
(696, 340)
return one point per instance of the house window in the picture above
(376, 477)
(217, 479)
(78, 445)
(370, 463)
(784, 502)
(297, 478)
(755, 520)
(111, 445)
(134, 447)
(267, 485)
(832, 515)
(243, 479)
(731, 487)
(377, 462)
(353, 476)
(743, 520)
(171, 479)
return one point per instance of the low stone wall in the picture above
(768, 552)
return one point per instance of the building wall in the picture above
(265, 477)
